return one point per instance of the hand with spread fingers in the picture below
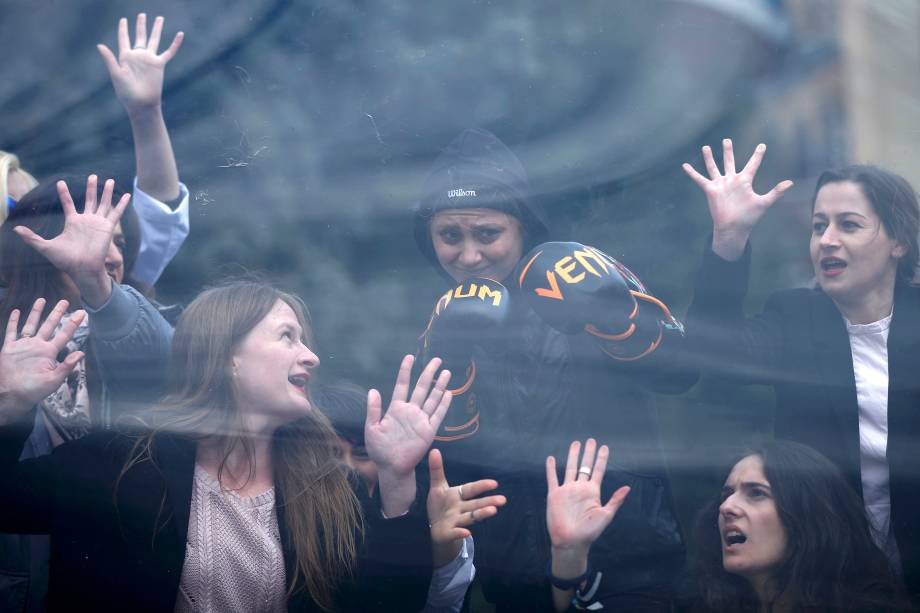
(29, 370)
(80, 249)
(399, 439)
(137, 72)
(733, 204)
(451, 510)
(575, 516)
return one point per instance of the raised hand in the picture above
(452, 509)
(575, 516)
(398, 440)
(733, 204)
(29, 370)
(80, 249)
(137, 72)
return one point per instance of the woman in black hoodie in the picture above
(535, 389)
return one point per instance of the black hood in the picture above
(477, 170)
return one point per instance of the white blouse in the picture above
(869, 346)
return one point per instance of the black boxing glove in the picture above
(466, 320)
(575, 288)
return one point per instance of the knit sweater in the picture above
(233, 558)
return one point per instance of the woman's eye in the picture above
(487, 235)
(818, 227)
(449, 236)
(288, 335)
(758, 493)
(850, 225)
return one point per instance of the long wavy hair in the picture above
(831, 561)
(321, 511)
(27, 274)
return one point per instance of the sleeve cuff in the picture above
(163, 230)
(117, 317)
(720, 278)
(154, 211)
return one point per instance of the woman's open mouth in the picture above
(832, 267)
(733, 537)
(300, 382)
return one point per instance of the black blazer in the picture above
(124, 549)
(800, 346)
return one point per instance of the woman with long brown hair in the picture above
(228, 495)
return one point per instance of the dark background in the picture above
(304, 130)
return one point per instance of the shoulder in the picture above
(799, 299)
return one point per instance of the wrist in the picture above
(397, 492)
(12, 406)
(445, 552)
(140, 114)
(95, 288)
(568, 578)
(729, 244)
(570, 557)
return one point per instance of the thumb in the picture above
(436, 469)
(31, 238)
(616, 501)
(776, 193)
(108, 58)
(70, 362)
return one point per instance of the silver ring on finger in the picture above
(25, 334)
(460, 491)
(473, 515)
(586, 471)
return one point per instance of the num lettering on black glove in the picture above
(466, 320)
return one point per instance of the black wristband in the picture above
(566, 584)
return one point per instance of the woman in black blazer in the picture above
(841, 356)
(133, 524)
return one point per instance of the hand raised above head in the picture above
(29, 370)
(80, 249)
(137, 73)
(398, 440)
(733, 204)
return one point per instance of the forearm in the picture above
(157, 173)
(131, 342)
(567, 564)
(397, 492)
(450, 582)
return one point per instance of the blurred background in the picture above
(304, 130)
